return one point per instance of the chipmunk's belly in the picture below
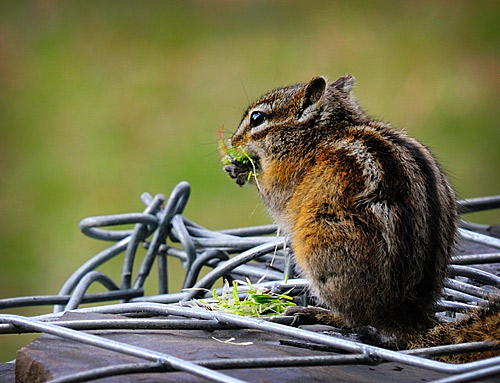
(347, 263)
(353, 290)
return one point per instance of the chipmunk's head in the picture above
(288, 110)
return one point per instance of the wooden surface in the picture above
(49, 357)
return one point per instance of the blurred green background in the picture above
(103, 100)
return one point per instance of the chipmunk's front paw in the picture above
(241, 172)
(313, 315)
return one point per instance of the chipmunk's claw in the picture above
(313, 315)
(238, 171)
(301, 316)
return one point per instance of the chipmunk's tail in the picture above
(478, 326)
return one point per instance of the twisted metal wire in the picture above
(165, 233)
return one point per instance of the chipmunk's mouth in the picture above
(242, 167)
(250, 160)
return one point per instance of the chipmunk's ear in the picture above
(344, 83)
(314, 90)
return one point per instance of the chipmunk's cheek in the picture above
(252, 150)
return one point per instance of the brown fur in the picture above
(371, 215)
(478, 325)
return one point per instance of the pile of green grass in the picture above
(258, 302)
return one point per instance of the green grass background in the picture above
(103, 100)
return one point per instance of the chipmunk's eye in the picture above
(257, 118)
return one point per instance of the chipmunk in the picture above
(371, 215)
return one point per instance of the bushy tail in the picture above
(478, 326)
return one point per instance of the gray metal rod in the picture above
(90, 265)
(479, 238)
(134, 368)
(123, 348)
(84, 284)
(259, 324)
